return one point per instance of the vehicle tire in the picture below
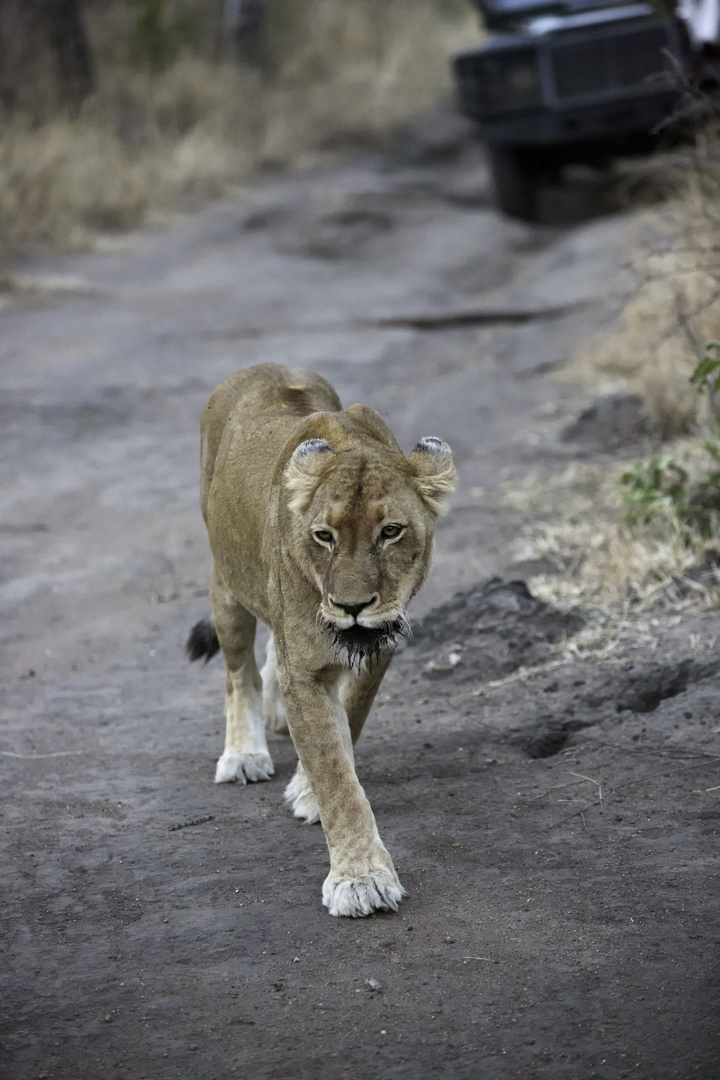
(516, 178)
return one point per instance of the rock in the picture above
(611, 422)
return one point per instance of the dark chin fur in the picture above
(360, 644)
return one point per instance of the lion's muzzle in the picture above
(358, 645)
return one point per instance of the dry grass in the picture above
(342, 73)
(658, 342)
(144, 143)
(675, 308)
(621, 573)
(628, 574)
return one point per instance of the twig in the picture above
(523, 674)
(36, 757)
(629, 783)
(639, 751)
(193, 821)
(487, 959)
(555, 787)
(590, 780)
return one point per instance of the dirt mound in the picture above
(641, 688)
(489, 630)
(638, 688)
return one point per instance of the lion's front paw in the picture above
(361, 895)
(243, 767)
(300, 799)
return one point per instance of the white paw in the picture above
(300, 799)
(243, 767)
(361, 895)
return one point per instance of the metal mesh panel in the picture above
(628, 60)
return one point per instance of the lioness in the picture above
(322, 528)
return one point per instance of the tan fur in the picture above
(284, 466)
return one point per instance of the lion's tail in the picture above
(203, 641)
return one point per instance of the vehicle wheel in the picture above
(516, 178)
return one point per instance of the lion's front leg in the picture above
(246, 755)
(362, 877)
(357, 693)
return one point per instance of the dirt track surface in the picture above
(548, 932)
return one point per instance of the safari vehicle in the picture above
(568, 81)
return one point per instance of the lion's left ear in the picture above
(434, 469)
(304, 471)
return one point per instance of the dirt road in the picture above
(562, 916)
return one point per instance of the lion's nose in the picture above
(354, 609)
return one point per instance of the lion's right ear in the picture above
(434, 468)
(304, 471)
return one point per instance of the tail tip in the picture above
(203, 641)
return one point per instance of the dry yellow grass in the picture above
(674, 310)
(145, 142)
(622, 572)
(635, 579)
(659, 340)
(344, 71)
(602, 563)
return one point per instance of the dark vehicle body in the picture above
(570, 81)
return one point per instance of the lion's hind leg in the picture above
(299, 797)
(298, 793)
(357, 692)
(246, 756)
(273, 708)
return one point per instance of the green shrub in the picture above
(662, 485)
(653, 487)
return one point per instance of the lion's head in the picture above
(363, 518)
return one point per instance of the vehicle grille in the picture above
(633, 59)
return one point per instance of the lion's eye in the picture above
(324, 536)
(391, 532)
